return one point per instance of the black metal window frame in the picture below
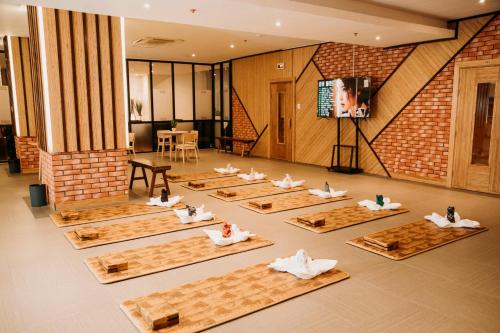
(213, 121)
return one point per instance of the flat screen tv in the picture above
(352, 97)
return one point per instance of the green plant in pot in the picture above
(138, 107)
(173, 124)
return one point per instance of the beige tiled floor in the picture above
(45, 286)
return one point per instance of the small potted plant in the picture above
(138, 107)
(173, 124)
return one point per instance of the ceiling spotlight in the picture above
(482, 1)
(277, 23)
(231, 46)
(147, 5)
(377, 38)
(193, 55)
(193, 10)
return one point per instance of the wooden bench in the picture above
(247, 143)
(156, 167)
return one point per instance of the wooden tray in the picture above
(415, 238)
(157, 258)
(342, 217)
(110, 213)
(178, 178)
(256, 192)
(120, 232)
(207, 303)
(288, 202)
(222, 183)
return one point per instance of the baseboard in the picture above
(87, 203)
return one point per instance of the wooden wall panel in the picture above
(17, 78)
(27, 85)
(301, 58)
(85, 80)
(416, 71)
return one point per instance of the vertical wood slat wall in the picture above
(85, 79)
(36, 75)
(21, 71)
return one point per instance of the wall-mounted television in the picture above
(344, 97)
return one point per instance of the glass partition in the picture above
(162, 92)
(203, 92)
(183, 76)
(225, 91)
(483, 119)
(139, 91)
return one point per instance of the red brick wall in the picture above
(85, 175)
(242, 126)
(27, 153)
(335, 60)
(416, 142)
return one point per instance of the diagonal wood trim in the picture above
(258, 138)
(452, 58)
(319, 71)
(245, 109)
(307, 64)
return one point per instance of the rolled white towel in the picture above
(302, 266)
(327, 195)
(201, 215)
(171, 201)
(372, 205)
(236, 236)
(252, 176)
(227, 170)
(442, 221)
(287, 182)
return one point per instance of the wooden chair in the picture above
(165, 139)
(131, 143)
(187, 143)
(196, 140)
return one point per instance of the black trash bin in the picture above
(14, 165)
(38, 195)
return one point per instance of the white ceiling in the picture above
(13, 21)
(218, 23)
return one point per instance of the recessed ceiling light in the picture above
(377, 38)
(277, 23)
(193, 55)
(482, 1)
(231, 46)
(258, 35)
(147, 5)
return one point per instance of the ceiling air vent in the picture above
(154, 42)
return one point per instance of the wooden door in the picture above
(281, 118)
(476, 163)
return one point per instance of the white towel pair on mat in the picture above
(442, 221)
(236, 236)
(227, 170)
(327, 195)
(201, 215)
(287, 182)
(372, 205)
(302, 266)
(171, 201)
(253, 175)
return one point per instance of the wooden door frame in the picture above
(292, 140)
(454, 106)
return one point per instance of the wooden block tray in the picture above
(218, 299)
(256, 192)
(120, 232)
(343, 217)
(222, 183)
(157, 258)
(414, 238)
(178, 178)
(288, 202)
(110, 213)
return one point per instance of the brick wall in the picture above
(27, 153)
(335, 60)
(416, 143)
(242, 126)
(85, 175)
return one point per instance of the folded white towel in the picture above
(227, 170)
(327, 195)
(442, 221)
(201, 215)
(302, 266)
(372, 205)
(171, 201)
(236, 236)
(287, 182)
(252, 176)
